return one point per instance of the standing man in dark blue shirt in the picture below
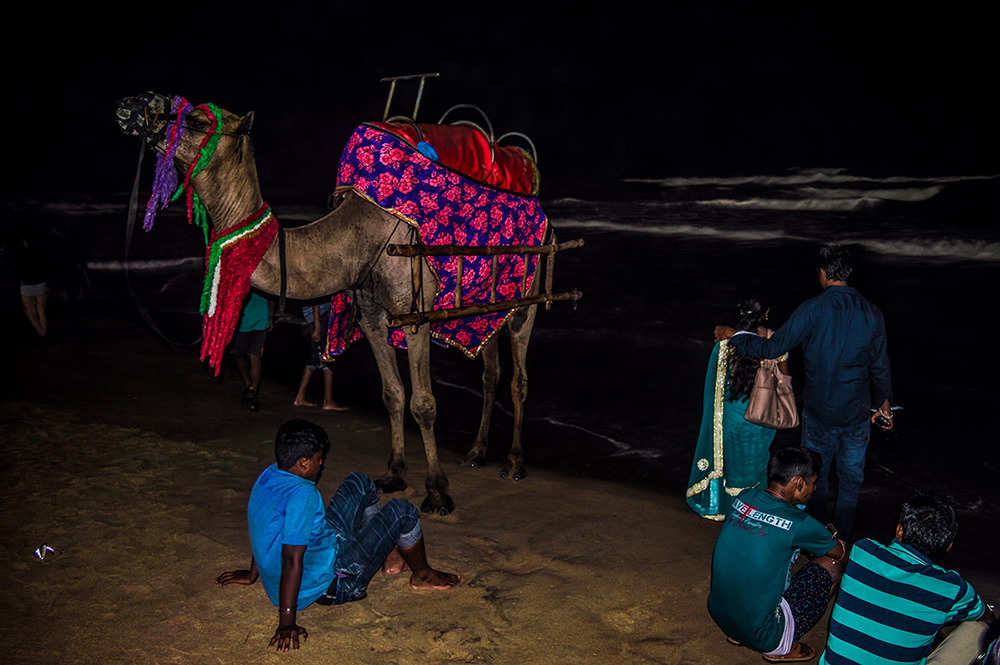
(847, 370)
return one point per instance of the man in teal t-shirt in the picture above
(304, 553)
(753, 597)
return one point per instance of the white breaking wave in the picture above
(829, 199)
(153, 264)
(683, 230)
(831, 176)
(621, 448)
(817, 204)
(78, 209)
(471, 391)
(568, 200)
(950, 249)
(898, 194)
(292, 212)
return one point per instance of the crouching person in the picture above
(754, 598)
(304, 553)
(894, 598)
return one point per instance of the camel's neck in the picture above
(330, 255)
(322, 258)
(230, 195)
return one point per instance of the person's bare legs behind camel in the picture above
(317, 318)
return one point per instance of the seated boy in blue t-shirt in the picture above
(305, 553)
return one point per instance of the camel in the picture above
(344, 250)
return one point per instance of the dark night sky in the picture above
(605, 92)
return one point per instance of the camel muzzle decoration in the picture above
(416, 251)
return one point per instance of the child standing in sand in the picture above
(305, 554)
(317, 321)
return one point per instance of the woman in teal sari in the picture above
(732, 453)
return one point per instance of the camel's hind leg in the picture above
(393, 393)
(520, 326)
(491, 375)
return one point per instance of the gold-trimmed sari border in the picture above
(720, 394)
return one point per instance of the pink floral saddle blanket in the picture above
(446, 207)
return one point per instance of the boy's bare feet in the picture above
(425, 578)
(429, 579)
(333, 406)
(301, 401)
(394, 563)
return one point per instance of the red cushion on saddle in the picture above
(467, 150)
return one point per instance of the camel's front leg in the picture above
(521, 324)
(393, 394)
(491, 374)
(424, 409)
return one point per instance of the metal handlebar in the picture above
(489, 136)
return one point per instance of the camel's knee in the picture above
(491, 377)
(393, 400)
(519, 388)
(522, 321)
(424, 410)
(491, 374)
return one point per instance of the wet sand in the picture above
(135, 465)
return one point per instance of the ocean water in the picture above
(615, 383)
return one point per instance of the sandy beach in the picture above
(135, 465)
(703, 153)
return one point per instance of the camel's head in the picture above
(189, 139)
(151, 115)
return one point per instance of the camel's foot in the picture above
(474, 458)
(389, 483)
(440, 503)
(514, 470)
(438, 500)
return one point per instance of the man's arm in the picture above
(794, 332)
(287, 634)
(838, 552)
(881, 378)
(239, 576)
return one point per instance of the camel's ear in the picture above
(245, 124)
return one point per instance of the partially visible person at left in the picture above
(894, 598)
(33, 274)
(754, 598)
(305, 554)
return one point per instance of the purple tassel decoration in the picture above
(165, 177)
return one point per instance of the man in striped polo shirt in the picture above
(893, 599)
